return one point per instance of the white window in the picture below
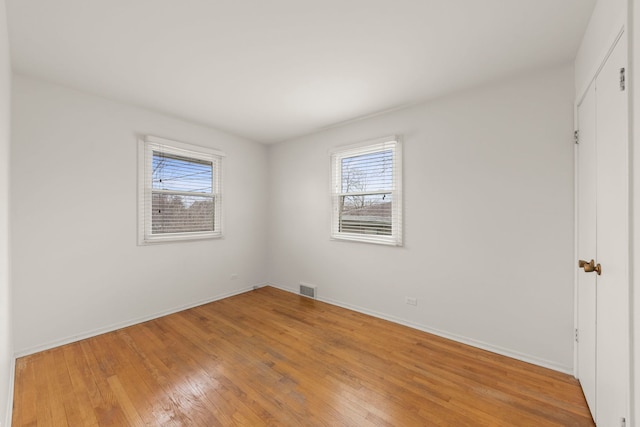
(367, 192)
(179, 191)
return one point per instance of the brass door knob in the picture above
(590, 267)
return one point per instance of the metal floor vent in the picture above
(308, 290)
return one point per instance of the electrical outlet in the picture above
(412, 301)
(234, 276)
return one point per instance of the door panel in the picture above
(587, 247)
(612, 372)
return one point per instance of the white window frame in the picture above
(337, 154)
(146, 146)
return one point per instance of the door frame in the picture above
(621, 31)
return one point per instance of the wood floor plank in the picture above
(271, 358)
(25, 378)
(73, 362)
(122, 396)
(98, 360)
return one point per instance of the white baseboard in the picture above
(454, 337)
(12, 379)
(462, 339)
(131, 322)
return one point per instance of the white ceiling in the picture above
(272, 70)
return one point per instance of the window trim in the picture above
(146, 145)
(393, 142)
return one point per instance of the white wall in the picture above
(77, 269)
(488, 202)
(6, 341)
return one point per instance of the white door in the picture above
(603, 236)
(587, 247)
(612, 355)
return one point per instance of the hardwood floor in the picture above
(269, 357)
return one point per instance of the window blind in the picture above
(181, 194)
(366, 192)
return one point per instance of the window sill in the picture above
(177, 238)
(361, 239)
